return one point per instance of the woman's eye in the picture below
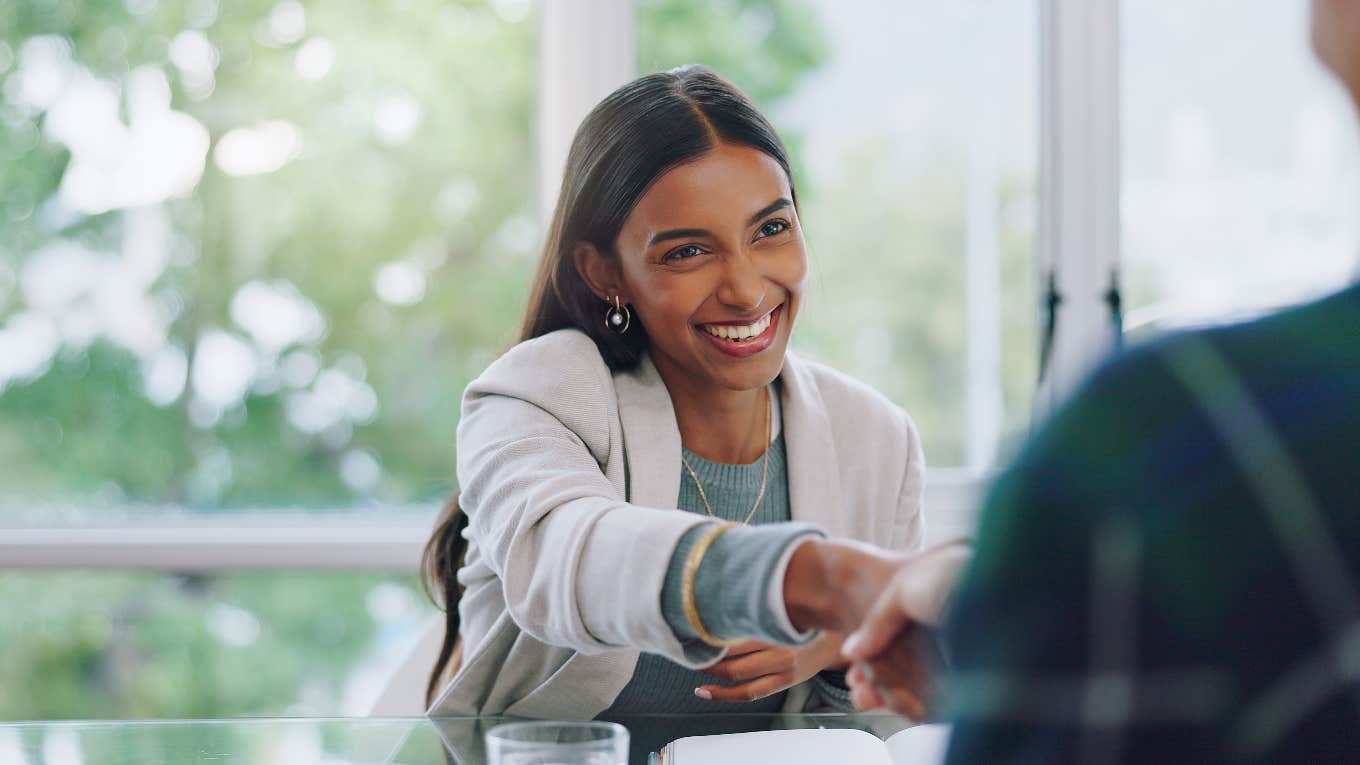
(773, 227)
(681, 253)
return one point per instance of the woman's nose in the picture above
(743, 284)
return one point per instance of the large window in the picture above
(130, 645)
(238, 244)
(914, 133)
(1239, 169)
(250, 254)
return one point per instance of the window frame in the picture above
(1079, 184)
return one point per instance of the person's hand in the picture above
(902, 678)
(760, 669)
(832, 584)
(893, 651)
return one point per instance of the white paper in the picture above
(816, 746)
(919, 745)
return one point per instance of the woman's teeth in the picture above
(746, 332)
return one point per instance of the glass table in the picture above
(350, 741)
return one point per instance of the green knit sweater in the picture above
(732, 585)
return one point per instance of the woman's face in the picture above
(713, 263)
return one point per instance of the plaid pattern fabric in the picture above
(1170, 572)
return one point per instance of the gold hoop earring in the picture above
(617, 317)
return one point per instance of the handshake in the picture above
(889, 603)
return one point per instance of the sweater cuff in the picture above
(774, 596)
(733, 584)
(831, 686)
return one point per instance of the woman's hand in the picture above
(832, 584)
(761, 669)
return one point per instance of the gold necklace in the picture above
(764, 471)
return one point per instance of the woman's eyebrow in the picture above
(687, 233)
(777, 204)
(678, 233)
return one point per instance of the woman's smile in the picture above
(743, 339)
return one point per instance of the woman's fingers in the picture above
(769, 670)
(750, 691)
(750, 646)
(752, 665)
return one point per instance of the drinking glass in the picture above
(557, 743)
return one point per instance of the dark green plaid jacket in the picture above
(1170, 571)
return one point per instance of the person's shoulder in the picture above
(1303, 335)
(1153, 389)
(1115, 406)
(561, 365)
(1318, 332)
(562, 349)
(1313, 316)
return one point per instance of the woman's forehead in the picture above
(726, 184)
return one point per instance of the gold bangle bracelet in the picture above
(691, 570)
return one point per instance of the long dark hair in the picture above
(626, 143)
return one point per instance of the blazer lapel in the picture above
(814, 475)
(651, 438)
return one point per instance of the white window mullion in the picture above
(587, 48)
(982, 259)
(270, 540)
(1079, 186)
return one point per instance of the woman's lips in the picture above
(750, 346)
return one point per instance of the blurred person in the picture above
(638, 471)
(1170, 571)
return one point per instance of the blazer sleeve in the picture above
(909, 524)
(581, 568)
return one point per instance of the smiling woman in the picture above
(639, 471)
(715, 272)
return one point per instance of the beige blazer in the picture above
(570, 476)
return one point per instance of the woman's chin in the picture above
(751, 373)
